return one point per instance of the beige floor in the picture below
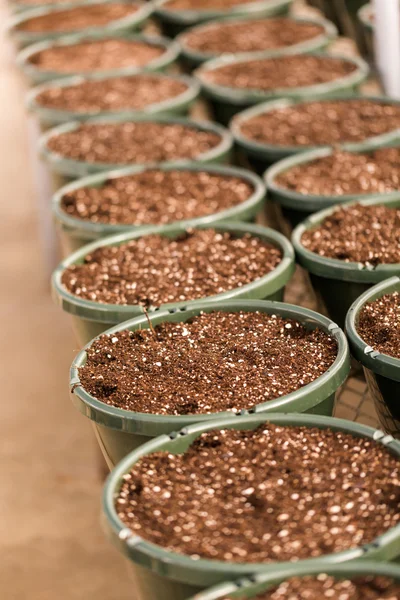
(51, 545)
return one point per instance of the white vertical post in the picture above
(387, 44)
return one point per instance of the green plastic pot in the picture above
(164, 575)
(19, 7)
(129, 23)
(365, 17)
(93, 318)
(258, 584)
(75, 232)
(50, 117)
(173, 22)
(296, 206)
(36, 75)
(226, 101)
(65, 169)
(193, 58)
(121, 431)
(382, 372)
(262, 155)
(336, 282)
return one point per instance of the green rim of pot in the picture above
(375, 361)
(115, 313)
(129, 22)
(86, 229)
(249, 588)
(239, 97)
(77, 168)
(365, 14)
(187, 18)
(19, 7)
(270, 152)
(208, 572)
(318, 42)
(37, 75)
(310, 203)
(333, 268)
(301, 400)
(175, 105)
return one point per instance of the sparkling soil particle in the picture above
(116, 93)
(379, 324)
(79, 17)
(324, 586)
(345, 173)
(319, 123)
(363, 234)
(157, 197)
(279, 73)
(139, 142)
(153, 269)
(218, 361)
(251, 35)
(205, 4)
(273, 494)
(96, 55)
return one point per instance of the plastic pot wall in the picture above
(120, 431)
(179, 572)
(173, 22)
(49, 117)
(192, 58)
(91, 318)
(261, 155)
(25, 38)
(263, 583)
(226, 102)
(296, 206)
(36, 75)
(64, 169)
(382, 372)
(75, 233)
(336, 282)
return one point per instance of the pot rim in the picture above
(259, 109)
(109, 313)
(295, 200)
(333, 268)
(189, 17)
(88, 227)
(376, 361)
(262, 582)
(78, 168)
(61, 116)
(150, 424)
(170, 54)
(179, 566)
(240, 96)
(144, 11)
(329, 33)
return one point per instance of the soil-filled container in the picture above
(173, 20)
(248, 36)
(258, 585)
(106, 55)
(339, 282)
(120, 430)
(141, 141)
(311, 181)
(92, 17)
(283, 128)
(77, 229)
(81, 98)
(232, 84)
(381, 369)
(163, 573)
(91, 317)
